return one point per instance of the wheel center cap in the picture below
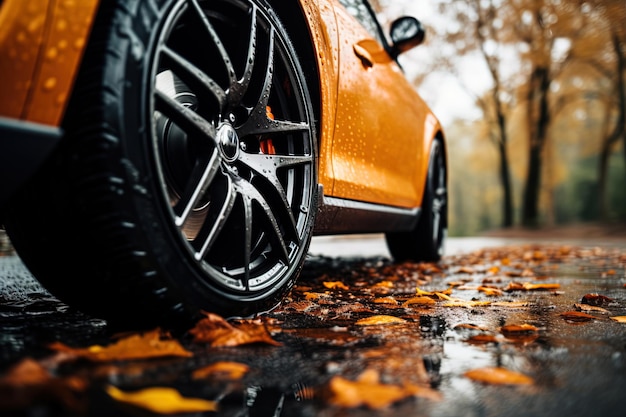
(228, 141)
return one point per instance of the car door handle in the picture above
(370, 52)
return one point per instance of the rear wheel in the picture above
(426, 241)
(187, 180)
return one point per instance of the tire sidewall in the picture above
(148, 207)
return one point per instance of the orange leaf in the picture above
(336, 284)
(619, 319)
(222, 370)
(368, 391)
(217, 332)
(385, 300)
(466, 304)
(518, 329)
(590, 309)
(151, 344)
(482, 339)
(381, 319)
(418, 300)
(28, 383)
(161, 400)
(498, 376)
(596, 300)
(469, 326)
(577, 316)
(490, 291)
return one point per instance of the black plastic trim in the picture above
(24, 146)
(341, 216)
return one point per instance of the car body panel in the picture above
(372, 119)
(41, 43)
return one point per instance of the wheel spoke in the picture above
(238, 89)
(220, 218)
(247, 209)
(216, 41)
(248, 191)
(184, 117)
(201, 178)
(193, 76)
(266, 166)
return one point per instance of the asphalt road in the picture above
(577, 368)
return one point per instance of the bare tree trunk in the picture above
(538, 119)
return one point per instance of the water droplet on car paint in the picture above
(49, 84)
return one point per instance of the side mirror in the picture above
(406, 33)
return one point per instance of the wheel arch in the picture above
(292, 17)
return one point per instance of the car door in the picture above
(378, 140)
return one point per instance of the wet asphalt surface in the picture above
(578, 368)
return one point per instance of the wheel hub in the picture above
(228, 142)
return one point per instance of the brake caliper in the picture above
(266, 144)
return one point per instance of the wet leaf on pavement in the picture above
(597, 300)
(28, 382)
(217, 332)
(518, 329)
(333, 285)
(590, 309)
(379, 319)
(146, 345)
(498, 376)
(619, 319)
(161, 400)
(577, 316)
(368, 391)
(222, 370)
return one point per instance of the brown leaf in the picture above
(28, 383)
(222, 370)
(527, 286)
(513, 330)
(217, 332)
(577, 316)
(498, 376)
(469, 326)
(336, 285)
(590, 309)
(595, 299)
(380, 319)
(385, 300)
(152, 344)
(368, 391)
(466, 303)
(161, 400)
(483, 339)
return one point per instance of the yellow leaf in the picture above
(381, 319)
(224, 370)
(619, 319)
(590, 309)
(368, 391)
(466, 304)
(162, 400)
(336, 284)
(418, 300)
(498, 376)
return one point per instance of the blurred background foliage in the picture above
(532, 97)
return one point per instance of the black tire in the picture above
(426, 241)
(187, 179)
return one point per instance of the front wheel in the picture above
(187, 180)
(426, 241)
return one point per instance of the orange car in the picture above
(163, 157)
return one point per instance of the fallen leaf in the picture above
(28, 383)
(314, 295)
(527, 286)
(385, 300)
(577, 316)
(483, 339)
(510, 304)
(336, 285)
(469, 326)
(380, 319)
(489, 291)
(217, 332)
(222, 370)
(498, 376)
(513, 330)
(161, 400)
(384, 284)
(619, 319)
(152, 344)
(419, 300)
(466, 303)
(368, 391)
(590, 309)
(595, 299)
